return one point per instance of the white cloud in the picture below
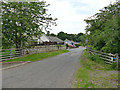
(71, 17)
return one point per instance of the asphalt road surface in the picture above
(54, 72)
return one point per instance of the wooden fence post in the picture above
(117, 59)
(87, 49)
(22, 51)
(0, 54)
(10, 54)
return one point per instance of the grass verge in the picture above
(94, 74)
(36, 57)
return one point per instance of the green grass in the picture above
(82, 75)
(94, 74)
(36, 57)
(82, 78)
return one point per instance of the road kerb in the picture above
(14, 66)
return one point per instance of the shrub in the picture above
(79, 44)
(76, 45)
(114, 66)
(92, 57)
(95, 58)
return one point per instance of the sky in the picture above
(71, 13)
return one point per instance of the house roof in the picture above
(54, 39)
(66, 40)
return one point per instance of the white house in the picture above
(48, 39)
(66, 41)
(44, 38)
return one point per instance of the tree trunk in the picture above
(20, 40)
(18, 51)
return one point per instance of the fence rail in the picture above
(107, 57)
(6, 54)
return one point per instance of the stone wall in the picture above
(41, 49)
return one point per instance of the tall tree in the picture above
(74, 37)
(52, 34)
(22, 20)
(82, 38)
(104, 28)
(62, 35)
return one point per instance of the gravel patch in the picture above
(104, 79)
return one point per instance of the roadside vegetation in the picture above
(36, 57)
(94, 73)
(103, 29)
(103, 34)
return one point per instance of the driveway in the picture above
(54, 72)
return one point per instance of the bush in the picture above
(92, 57)
(114, 66)
(76, 45)
(95, 58)
(79, 44)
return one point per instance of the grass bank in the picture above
(95, 74)
(36, 57)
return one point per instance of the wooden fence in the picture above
(6, 54)
(107, 57)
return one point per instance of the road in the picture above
(54, 72)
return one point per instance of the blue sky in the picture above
(71, 13)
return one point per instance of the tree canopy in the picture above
(22, 20)
(74, 37)
(104, 29)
